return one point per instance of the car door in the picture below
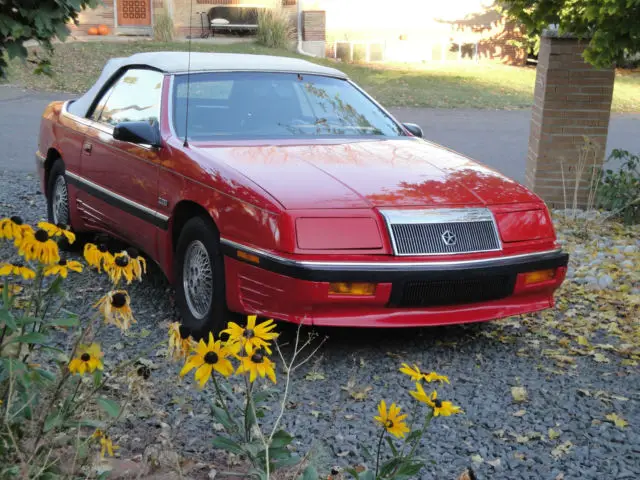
(121, 178)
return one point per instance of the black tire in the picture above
(57, 170)
(200, 234)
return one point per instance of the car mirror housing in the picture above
(138, 132)
(414, 129)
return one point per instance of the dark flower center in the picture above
(133, 252)
(18, 265)
(257, 357)
(248, 333)
(62, 262)
(17, 220)
(42, 236)
(85, 357)
(388, 424)
(103, 248)
(122, 261)
(144, 372)
(118, 300)
(437, 403)
(211, 358)
(184, 332)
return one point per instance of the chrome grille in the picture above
(442, 231)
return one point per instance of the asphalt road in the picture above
(497, 138)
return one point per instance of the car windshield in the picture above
(248, 105)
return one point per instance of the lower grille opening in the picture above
(433, 293)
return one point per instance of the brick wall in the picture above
(314, 25)
(572, 100)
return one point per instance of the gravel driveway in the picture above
(578, 364)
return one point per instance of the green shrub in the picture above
(619, 191)
(163, 28)
(274, 28)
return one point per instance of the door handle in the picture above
(87, 147)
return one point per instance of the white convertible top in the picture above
(178, 62)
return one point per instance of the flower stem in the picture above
(221, 398)
(379, 449)
(427, 421)
(247, 429)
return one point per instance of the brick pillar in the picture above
(314, 32)
(572, 99)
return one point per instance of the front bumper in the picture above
(298, 291)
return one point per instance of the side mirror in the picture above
(138, 132)
(414, 129)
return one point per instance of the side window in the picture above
(95, 116)
(135, 97)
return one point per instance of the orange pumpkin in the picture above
(103, 30)
(92, 31)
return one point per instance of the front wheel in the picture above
(58, 196)
(199, 277)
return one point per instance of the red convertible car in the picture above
(276, 186)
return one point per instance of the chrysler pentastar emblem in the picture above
(449, 238)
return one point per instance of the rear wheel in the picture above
(199, 277)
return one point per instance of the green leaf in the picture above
(408, 470)
(219, 414)
(33, 338)
(281, 439)
(227, 444)
(414, 435)
(109, 406)
(288, 461)
(310, 473)
(70, 321)
(392, 446)
(7, 318)
(97, 377)
(53, 420)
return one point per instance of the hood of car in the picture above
(360, 174)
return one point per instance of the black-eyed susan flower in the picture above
(121, 267)
(98, 256)
(435, 377)
(39, 247)
(257, 364)
(439, 407)
(13, 290)
(105, 442)
(88, 359)
(138, 262)
(16, 269)
(13, 228)
(391, 421)
(59, 230)
(115, 307)
(417, 376)
(208, 357)
(63, 267)
(180, 341)
(252, 337)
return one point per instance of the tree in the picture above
(611, 26)
(40, 20)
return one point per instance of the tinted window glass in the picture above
(135, 98)
(95, 116)
(261, 105)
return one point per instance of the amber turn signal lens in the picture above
(247, 256)
(350, 288)
(539, 276)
